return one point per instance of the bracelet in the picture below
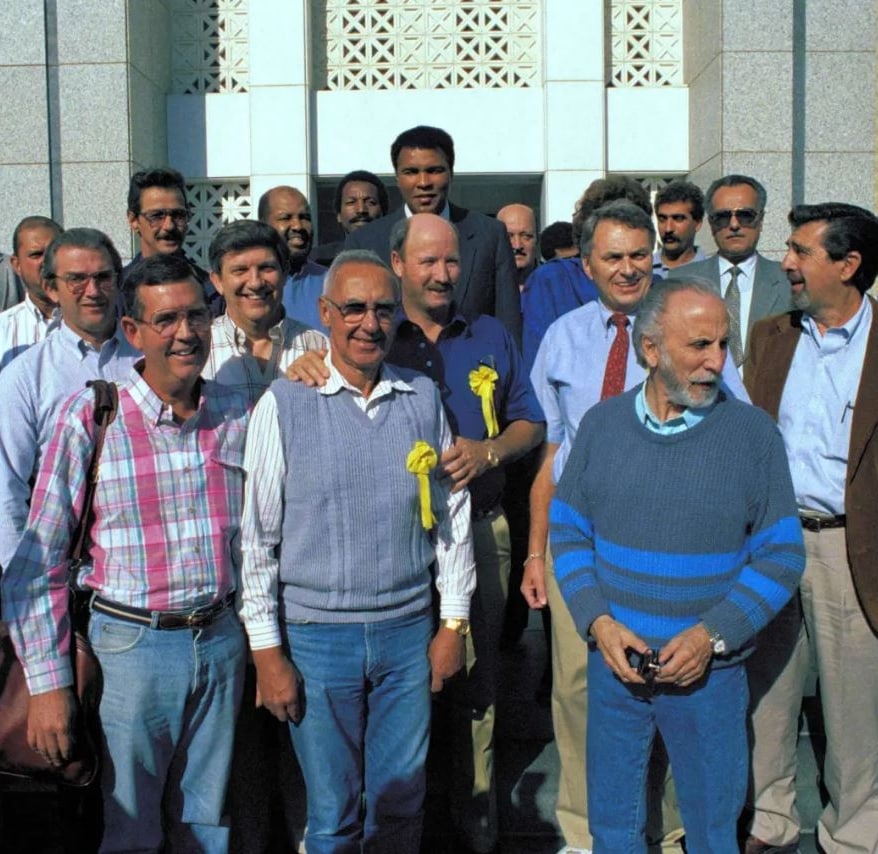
(533, 556)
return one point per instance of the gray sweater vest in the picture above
(353, 548)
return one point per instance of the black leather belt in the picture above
(818, 523)
(197, 618)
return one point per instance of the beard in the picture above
(681, 393)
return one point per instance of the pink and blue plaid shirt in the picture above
(167, 513)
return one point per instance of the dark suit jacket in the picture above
(771, 289)
(487, 267)
(772, 345)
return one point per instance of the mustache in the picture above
(361, 217)
(519, 251)
(170, 234)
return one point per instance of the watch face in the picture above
(719, 646)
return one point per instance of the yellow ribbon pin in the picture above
(421, 460)
(482, 382)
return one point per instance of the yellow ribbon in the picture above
(482, 382)
(421, 460)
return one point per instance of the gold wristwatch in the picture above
(456, 624)
(493, 456)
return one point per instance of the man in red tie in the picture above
(585, 357)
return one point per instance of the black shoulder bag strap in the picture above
(106, 406)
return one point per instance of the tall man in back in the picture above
(423, 160)
(815, 370)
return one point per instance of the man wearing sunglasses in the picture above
(752, 286)
(158, 214)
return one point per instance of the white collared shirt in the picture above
(746, 282)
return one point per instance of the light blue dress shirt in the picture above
(301, 293)
(33, 389)
(687, 419)
(817, 408)
(568, 372)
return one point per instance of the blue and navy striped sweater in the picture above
(664, 531)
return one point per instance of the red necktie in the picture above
(617, 360)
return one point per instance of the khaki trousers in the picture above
(569, 713)
(473, 792)
(835, 637)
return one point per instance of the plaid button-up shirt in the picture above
(166, 529)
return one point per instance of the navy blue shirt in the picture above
(465, 345)
(551, 290)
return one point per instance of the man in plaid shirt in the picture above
(165, 557)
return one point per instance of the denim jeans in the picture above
(168, 711)
(364, 734)
(705, 732)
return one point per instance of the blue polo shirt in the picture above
(301, 292)
(465, 345)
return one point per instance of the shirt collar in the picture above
(747, 267)
(388, 380)
(445, 213)
(457, 325)
(686, 420)
(860, 320)
(238, 338)
(71, 339)
(154, 409)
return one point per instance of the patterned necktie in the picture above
(617, 359)
(733, 304)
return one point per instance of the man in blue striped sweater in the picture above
(674, 530)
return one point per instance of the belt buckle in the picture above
(199, 619)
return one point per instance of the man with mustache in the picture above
(164, 568)
(815, 371)
(521, 227)
(679, 211)
(670, 591)
(81, 270)
(287, 211)
(585, 357)
(158, 214)
(360, 198)
(752, 286)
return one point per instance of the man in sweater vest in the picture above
(676, 539)
(495, 418)
(344, 525)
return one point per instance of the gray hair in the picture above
(357, 256)
(620, 210)
(737, 181)
(81, 238)
(648, 322)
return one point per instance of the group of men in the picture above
(301, 455)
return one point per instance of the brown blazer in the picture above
(772, 344)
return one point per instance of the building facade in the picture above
(541, 97)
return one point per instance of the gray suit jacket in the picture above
(487, 266)
(771, 289)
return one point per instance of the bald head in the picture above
(521, 226)
(287, 211)
(425, 256)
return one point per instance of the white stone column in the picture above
(575, 103)
(281, 138)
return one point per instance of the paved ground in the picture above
(527, 766)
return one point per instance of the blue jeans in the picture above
(365, 731)
(705, 732)
(168, 711)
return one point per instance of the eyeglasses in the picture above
(355, 312)
(180, 216)
(166, 323)
(104, 280)
(746, 217)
